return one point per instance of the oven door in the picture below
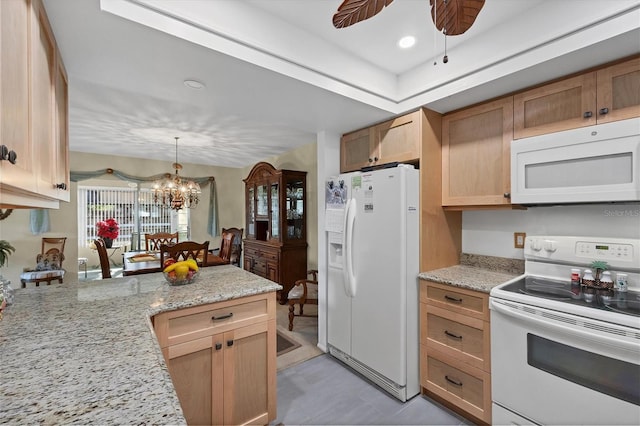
(555, 368)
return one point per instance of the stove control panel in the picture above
(616, 251)
(604, 250)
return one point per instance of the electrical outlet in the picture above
(518, 239)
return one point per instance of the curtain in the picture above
(212, 220)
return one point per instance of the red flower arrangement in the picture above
(108, 228)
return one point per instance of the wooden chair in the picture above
(226, 245)
(184, 251)
(48, 263)
(154, 241)
(236, 245)
(303, 292)
(104, 258)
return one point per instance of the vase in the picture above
(108, 242)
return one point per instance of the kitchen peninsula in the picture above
(88, 353)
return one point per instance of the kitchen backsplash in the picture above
(491, 232)
(493, 263)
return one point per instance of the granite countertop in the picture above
(477, 272)
(86, 352)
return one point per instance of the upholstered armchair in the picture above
(48, 263)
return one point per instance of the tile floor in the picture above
(322, 391)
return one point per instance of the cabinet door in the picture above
(14, 95)
(249, 373)
(399, 139)
(62, 132)
(358, 150)
(191, 366)
(619, 91)
(476, 155)
(563, 105)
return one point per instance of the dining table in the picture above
(146, 262)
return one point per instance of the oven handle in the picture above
(611, 341)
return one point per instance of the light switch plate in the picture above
(518, 239)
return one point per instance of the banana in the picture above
(172, 266)
(193, 265)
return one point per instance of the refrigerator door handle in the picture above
(347, 272)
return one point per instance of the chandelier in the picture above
(173, 192)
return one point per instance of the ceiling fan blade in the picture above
(455, 16)
(353, 11)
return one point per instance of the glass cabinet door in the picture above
(251, 213)
(262, 206)
(295, 200)
(275, 211)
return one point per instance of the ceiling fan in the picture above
(452, 17)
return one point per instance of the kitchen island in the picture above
(87, 352)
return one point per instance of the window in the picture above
(132, 208)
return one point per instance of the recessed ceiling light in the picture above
(194, 84)
(407, 42)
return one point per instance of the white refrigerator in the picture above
(373, 261)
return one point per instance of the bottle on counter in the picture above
(576, 291)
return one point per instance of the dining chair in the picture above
(154, 241)
(303, 292)
(48, 263)
(185, 250)
(236, 245)
(104, 258)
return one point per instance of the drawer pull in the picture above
(452, 381)
(218, 346)
(450, 334)
(229, 315)
(453, 299)
(229, 342)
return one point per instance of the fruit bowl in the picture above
(174, 279)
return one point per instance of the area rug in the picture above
(285, 344)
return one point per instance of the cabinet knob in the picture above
(588, 114)
(4, 152)
(604, 111)
(13, 157)
(229, 342)
(507, 195)
(62, 186)
(370, 160)
(218, 346)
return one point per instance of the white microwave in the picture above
(587, 165)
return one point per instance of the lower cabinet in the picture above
(222, 359)
(455, 348)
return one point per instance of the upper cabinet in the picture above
(476, 155)
(34, 109)
(396, 140)
(608, 94)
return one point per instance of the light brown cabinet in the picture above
(608, 94)
(34, 108)
(476, 155)
(455, 347)
(275, 246)
(396, 140)
(222, 359)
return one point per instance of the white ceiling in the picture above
(277, 72)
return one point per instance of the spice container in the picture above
(575, 275)
(587, 278)
(621, 282)
(606, 281)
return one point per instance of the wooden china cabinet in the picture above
(275, 246)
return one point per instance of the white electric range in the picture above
(563, 353)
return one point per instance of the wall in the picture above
(304, 158)
(63, 222)
(491, 232)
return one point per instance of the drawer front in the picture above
(466, 302)
(261, 253)
(208, 322)
(467, 341)
(259, 267)
(459, 384)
